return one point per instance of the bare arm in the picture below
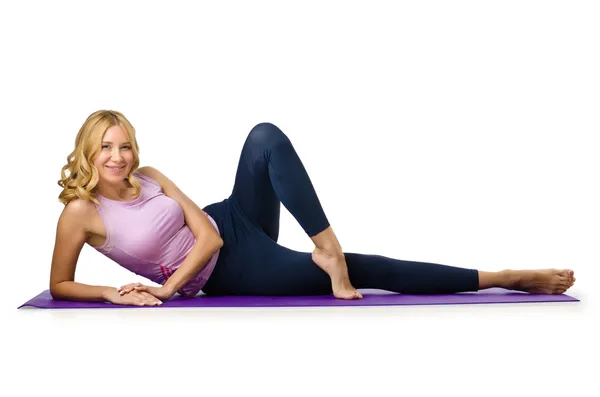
(195, 261)
(208, 240)
(71, 235)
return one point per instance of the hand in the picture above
(162, 292)
(128, 287)
(134, 297)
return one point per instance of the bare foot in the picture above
(546, 281)
(335, 267)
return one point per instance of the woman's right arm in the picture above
(71, 235)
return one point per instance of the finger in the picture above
(140, 301)
(143, 288)
(135, 298)
(145, 294)
(127, 287)
(137, 294)
(133, 286)
(137, 302)
(151, 298)
(126, 291)
(148, 295)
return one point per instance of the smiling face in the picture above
(116, 157)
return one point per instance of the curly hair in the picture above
(83, 174)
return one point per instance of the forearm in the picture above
(71, 290)
(201, 252)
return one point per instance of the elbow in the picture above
(57, 291)
(210, 240)
(54, 291)
(214, 239)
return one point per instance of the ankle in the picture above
(332, 251)
(327, 242)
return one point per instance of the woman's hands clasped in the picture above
(139, 295)
(161, 292)
(137, 298)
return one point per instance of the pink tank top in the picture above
(149, 237)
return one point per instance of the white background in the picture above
(462, 133)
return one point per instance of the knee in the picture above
(267, 134)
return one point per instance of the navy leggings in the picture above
(252, 263)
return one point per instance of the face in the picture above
(116, 157)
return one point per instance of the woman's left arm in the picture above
(208, 240)
(194, 262)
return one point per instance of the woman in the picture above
(140, 219)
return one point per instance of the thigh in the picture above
(253, 191)
(263, 267)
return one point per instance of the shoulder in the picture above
(168, 187)
(149, 171)
(156, 175)
(78, 207)
(77, 213)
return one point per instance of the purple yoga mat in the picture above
(371, 297)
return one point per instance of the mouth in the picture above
(115, 170)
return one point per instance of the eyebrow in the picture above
(111, 142)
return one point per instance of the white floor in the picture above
(491, 349)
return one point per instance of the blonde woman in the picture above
(140, 219)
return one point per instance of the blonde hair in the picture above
(83, 174)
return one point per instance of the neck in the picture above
(114, 192)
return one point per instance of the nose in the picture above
(116, 155)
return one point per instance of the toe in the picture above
(570, 274)
(559, 289)
(563, 280)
